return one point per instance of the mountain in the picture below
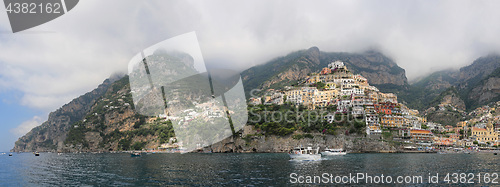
(478, 70)
(449, 97)
(447, 108)
(105, 121)
(282, 71)
(446, 95)
(421, 93)
(380, 70)
(485, 91)
(113, 124)
(105, 118)
(476, 84)
(51, 134)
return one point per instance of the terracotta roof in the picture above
(478, 129)
(420, 131)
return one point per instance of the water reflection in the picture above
(222, 169)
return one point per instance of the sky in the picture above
(45, 67)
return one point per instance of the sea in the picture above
(248, 169)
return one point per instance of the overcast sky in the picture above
(45, 67)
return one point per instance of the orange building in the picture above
(443, 141)
(393, 121)
(325, 71)
(417, 134)
(385, 107)
(462, 124)
(454, 136)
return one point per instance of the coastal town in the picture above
(335, 86)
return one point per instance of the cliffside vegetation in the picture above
(286, 119)
(112, 124)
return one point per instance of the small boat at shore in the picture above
(333, 152)
(136, 154)
(301, 153)
(10, 154)
(37, 153)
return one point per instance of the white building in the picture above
(358, 91)
(274, 98)
(373, 130)
(358, 111)
(335, 65)
(346, 91)
(371, 120)
(344, 105)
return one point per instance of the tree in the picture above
(138, 145)
(387, 135)
(331, 108)
(320, 85)
(124, 144)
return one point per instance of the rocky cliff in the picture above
(295, 71)
(486, 90)
(51, 134)
(112, 124)
(474, 83)
(101, 120)
(479, 69)
(374, 66)
(252, 142)
(380, 70)
(447, 108)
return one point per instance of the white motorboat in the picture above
(301, 153)
(333, 152)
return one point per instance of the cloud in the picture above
(64, 58)
(26, 126)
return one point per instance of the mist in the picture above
(57, 61)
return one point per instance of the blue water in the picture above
(264, 169)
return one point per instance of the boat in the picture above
(37, 153)
(10, 154)
(136, 154)
(333, 152)
(301, 153)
